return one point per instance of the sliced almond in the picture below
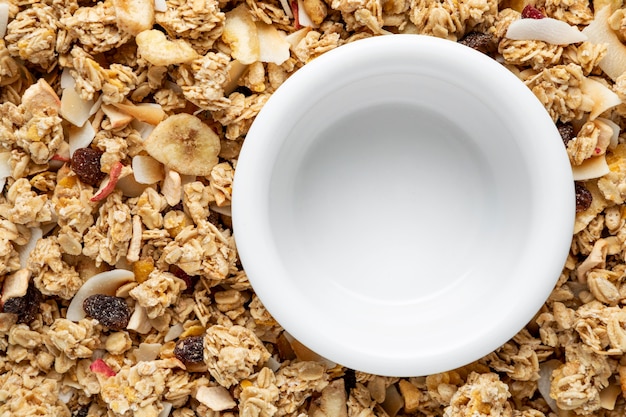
(16, 284)
(599, 32)
(547, 29)
(73, 108)
(151, 113)
(603, 97)
(147, 170)
(116, 117)
(216, 398)
(240, 33)
(103, 283)
(273, 47)
(594, 167)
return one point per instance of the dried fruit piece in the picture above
(26, 307)
(110, 311)
(481, 42)
(240, 33)
(531, 12)
(185, 144)
(273, 47)
(99, 366)
(114, 175)
(566, 130)
(134, 16)
(85, 163)
(583, 197)
(190, 350)
(154, 47)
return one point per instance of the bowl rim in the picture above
(554, 209)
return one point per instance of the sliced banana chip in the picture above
(182, 142)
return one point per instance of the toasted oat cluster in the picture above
(121, 122)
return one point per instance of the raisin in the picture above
(583, 197)
(190, 280)
(86, 164)
(26, 307)
(479, 41)
(531, 12)
(110, 311)
(81, 412)
(567, 131)
(190, 349)
(349, 378)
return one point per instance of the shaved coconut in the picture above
(240, 34)
(547, 29)
(96, 106)
(80, 137)
(303, 17)
(603, 97)
(103, 283)
(594, 167)
(160, 6)
(147, 351)
(616, 129)
(63, 153)
(545, 380)
(173, 333)
(296, 37)
(143, 128)
(147, 170)
(599, 32)
(5, 168)
(73, 108)
(235, 71)
(117, 117)
(167, 408)
(139, 321)
(67, 81)
(216, 398)
(272, 44)
(24, 250)
(225, 210)
(4, 19)
(151, 113)
(286, 8)
(608, 396)
(272, 363)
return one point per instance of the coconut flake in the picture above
(303, 17)
(173, 333)
(603, 97)
(273, 46)
(616, 129)
(547, 29)
(147, 351)
(129, 186)
(545, 380)
(167, 408)
(225, 210)
(4, 19)
(80, 137)
(216, 398)
(599, 32)
(594, 167)
(5, 168)
(139, 321)
(73, 108)
(147, 170)
(117, 118)
(103, 283)
(151, 113)
(67, 81)
(286, 8)
(296, 37)
(24, 250)
(160, 6)
(143, 128)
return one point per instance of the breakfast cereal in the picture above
(89, 95)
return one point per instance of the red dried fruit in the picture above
(99, 366)
(531, 12)
(481, 42)
(566, 130)
(86, 164)
(296, 16)
(190, 349)
(583, 197)
(110, 311)
(114, 176)
(26, 307)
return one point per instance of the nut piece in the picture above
(153, 46)
(185, 144)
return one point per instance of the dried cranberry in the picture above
(479, 41)
(110, 311)
(567, 131)
(190, 349)
(26, 307)
(531, 12)
(86, 164)
(583, 197)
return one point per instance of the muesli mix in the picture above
(121, 122)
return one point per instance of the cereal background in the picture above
(183, 334)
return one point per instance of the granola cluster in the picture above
(109, 76)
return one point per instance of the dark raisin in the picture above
(349, 378)
(567, 131)
(26, 307)
(110, 311)
(190, 280)
(479, 41)
(81, 412)
(531, 12)
(583, 197)
(190, 349)
(86, 164)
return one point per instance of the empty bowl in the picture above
(403, 205)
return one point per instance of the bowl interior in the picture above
(392, 209)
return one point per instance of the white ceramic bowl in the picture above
(403, 205)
